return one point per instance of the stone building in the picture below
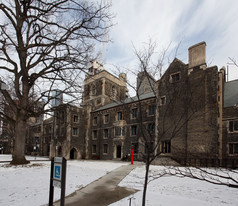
(100, 88)
(119, 125)
(189, 115)
(229, 134)
(188, 109)
(67, 132)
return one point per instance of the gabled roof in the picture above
(176, 61)
(230, 93)
(127, 101)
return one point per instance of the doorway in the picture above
(118, 151)
(73, 154)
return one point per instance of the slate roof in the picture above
(126, 101)
(230, 93)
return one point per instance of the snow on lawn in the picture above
(172, 190)
(4, 157)
(29, 185)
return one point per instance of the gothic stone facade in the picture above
(118, 126)
(67, 132)
(185, 112)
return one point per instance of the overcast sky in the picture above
(170, 22)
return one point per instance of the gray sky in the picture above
(174, 21)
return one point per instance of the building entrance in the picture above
(119, 151)
(73, 154)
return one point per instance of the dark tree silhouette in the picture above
(45, 45)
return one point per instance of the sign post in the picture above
(132, 153)
(57, 178)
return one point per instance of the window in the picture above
(162, 101)
(95, 120)
(75, 131)
(233, 126)
(106, 118)
(94, 149)
(134, 113)
(133, 130)
(151, 128)
(76, 118)
(152, 109)
(119, 115)
(119, 131)
(105, 148)
(233, 148)
(135, 147)
(149, 147)
(175, 77)
(166, 146)
(105, 133)
(95, 134)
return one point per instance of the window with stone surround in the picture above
(133, 130)
(152, 109)
(151, 128)
(106, 133)
(162, 101)
(134, 113)
(119, 115)
(95, 134)
(233, 126)
(175, 77)
(106, 118)
(75, 118)
(94, 149)
(95, 120)
(105, 148)
(233, 148)
(119, 131)
(166, 146)
(75, 131)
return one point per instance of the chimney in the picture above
(197, 55)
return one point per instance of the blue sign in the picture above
(57, 172)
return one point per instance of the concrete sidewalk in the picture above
(103, 191)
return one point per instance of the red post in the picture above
(132, 152)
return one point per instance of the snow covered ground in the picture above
(29, 185)
(172, 190)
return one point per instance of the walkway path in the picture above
(103, 191)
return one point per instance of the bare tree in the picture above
(180, 106)
(233, 62)
(45, 45)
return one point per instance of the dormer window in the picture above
(175, 77)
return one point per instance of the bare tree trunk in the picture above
(18, 156)
(147, 167)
